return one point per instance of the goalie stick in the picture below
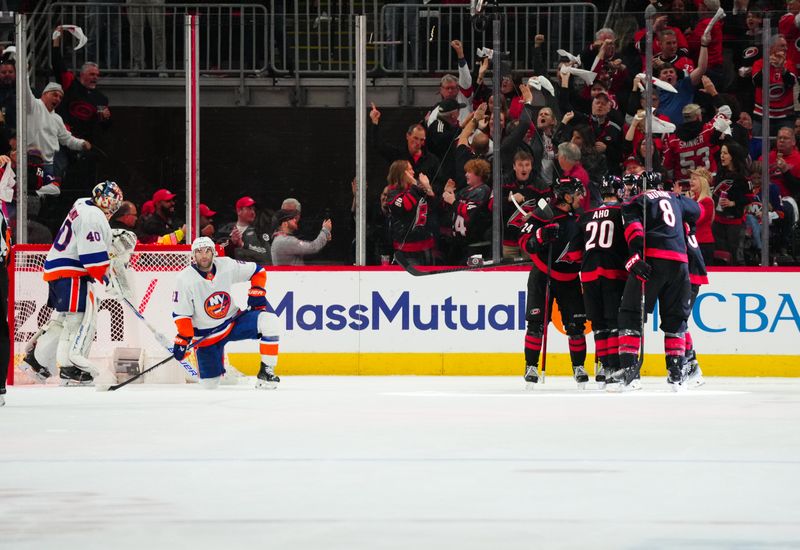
(489, 264)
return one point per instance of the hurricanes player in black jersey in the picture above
(542, 236)
(603, 274)
(693, 376)
(654, 229)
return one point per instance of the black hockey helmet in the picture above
(654, 180)
(611, 185)
(567, 186)
(633, 183)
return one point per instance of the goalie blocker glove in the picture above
(256, 298)
(181, 347)
(638, 267)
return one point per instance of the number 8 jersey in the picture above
(662, 214)
(80, 247)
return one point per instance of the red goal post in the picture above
(152, 272)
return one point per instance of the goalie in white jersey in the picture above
(82, 253)
(204, 308)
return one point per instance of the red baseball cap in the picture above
(206, 211)
(163, 195)
(147, 208)
(245, 201)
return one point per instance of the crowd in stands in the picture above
(583, 118)
(588, 121)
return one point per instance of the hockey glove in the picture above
(638, 267)
(256, 298)
(181, 347)
(547, 233)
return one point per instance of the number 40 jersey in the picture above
(80, 247)
(604, 247)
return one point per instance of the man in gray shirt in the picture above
(288, 249)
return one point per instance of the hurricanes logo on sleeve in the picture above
(217, 305)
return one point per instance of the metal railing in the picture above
(141, 39)
(313, 37)
(423, 33)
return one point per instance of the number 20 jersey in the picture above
(604, 247)
(80, 247)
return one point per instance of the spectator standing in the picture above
(245, 239)
(125, 217)
(469, 218)
(784, 164)
(700, 181)
(288, 249)
(46, 129)
(731, 195)
(422, 161)
(569, 165)
(782, 80)
(84, 110)
(8, 103)
(697, 38)
(206, 223)
(672, 104)
(407, 204)
(162, 227)
(153, 14)
(457, 88)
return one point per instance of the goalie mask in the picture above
(107, 196)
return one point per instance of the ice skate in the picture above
(627, 379)
(73, 376)
(531, 376)
(675, 379)
(33, 368)
(600, 376)
(2, 396)
(581, 378)
(267, 378)
(692, 375)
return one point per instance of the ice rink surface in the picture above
(402, 463)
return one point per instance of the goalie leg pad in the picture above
(45, 346)
(76, 340)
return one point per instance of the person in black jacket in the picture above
(422, 161)
(731, 196)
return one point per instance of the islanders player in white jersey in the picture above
(204, 308)
(78, 259)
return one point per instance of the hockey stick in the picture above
(546, 309)
(489, 264)
(132, 378)
(166, 359)
(160, 338)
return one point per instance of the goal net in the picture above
(123, 343)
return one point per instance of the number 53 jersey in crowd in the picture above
(80, 247)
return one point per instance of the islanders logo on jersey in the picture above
(217, 305)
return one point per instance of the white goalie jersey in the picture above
(207, 301)
(81, 245)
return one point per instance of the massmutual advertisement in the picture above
(385, 321)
